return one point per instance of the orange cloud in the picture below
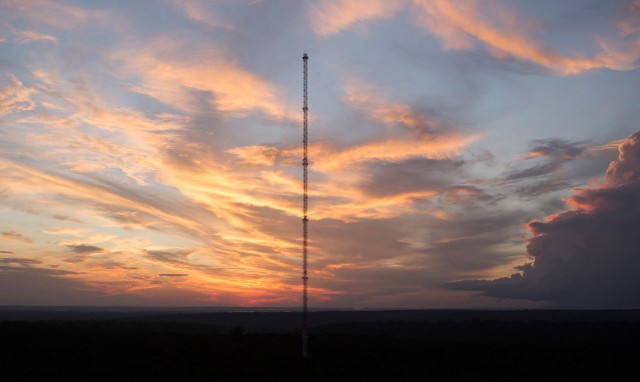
(343, 169)
(233, 88)
(25, 181)
(14, 96)
(369, 100)
(393, 150)
(333, 16)
(196, 11)
(459, 23)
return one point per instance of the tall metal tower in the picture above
(305, 200)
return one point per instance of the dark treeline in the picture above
(475, 348)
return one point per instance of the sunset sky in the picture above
(464, 154)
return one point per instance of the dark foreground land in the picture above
(88, 345)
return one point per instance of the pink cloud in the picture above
(506, 34)
(329, 17)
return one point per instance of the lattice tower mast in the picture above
(305, 206)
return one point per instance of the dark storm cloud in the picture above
(82, 249)
(588, 256)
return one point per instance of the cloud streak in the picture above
(502, 30)
(330, 17)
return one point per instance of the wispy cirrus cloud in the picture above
(329, 17)
(202, 12)
(507, 34)
(42, 12)
(167, 67)
(14, 95)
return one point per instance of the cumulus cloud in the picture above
(627, 168)
(586, 256)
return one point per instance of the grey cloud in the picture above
(171, 257)
(506, 287)
(361, 240)
(542, 187)
(41, 286)
(468, 243)
(465, 194)
(75, 259)
(534, 171)
(553, 152)
(557, 148)
(84, 248)
(409, 176)
(110, 264)
(180, 258)
(13, 235)
(67, 218)
(81, 252)
(586, 257)
(549, 173)
(20, 261)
